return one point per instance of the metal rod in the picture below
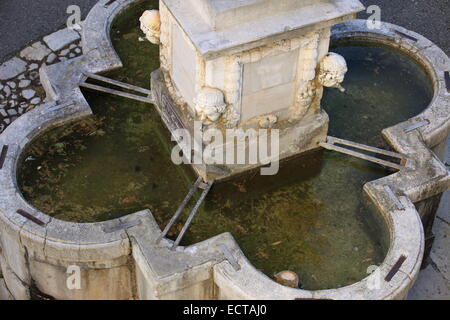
(30, 217)
(417, 126)
(394, 198)
(356, 145)
(3, 155)
(116, 92)
(231, 259)
(109, 3)
(192, 215)
(118, 83)
(332, 147)
(180, 209)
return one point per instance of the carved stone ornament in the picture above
(210, 104)
(332, 71)
(151, 25)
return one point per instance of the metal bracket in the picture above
(417, 126)
(331, 145)
(147, 99)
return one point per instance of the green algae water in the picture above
(311, 218)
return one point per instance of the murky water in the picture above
(311, 218)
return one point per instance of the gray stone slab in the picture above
(4, 293)
(12, 68)
(59, 39)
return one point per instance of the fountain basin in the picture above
(118, 258)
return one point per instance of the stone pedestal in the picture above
(253, 64)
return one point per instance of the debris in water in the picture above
(287, 278)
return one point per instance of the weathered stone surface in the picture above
(190, 281)
(430, 285)
(36, 52)
(12, 68)
(59, 39)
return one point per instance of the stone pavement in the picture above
(20, 87)
(434, 282)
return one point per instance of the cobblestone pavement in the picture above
(21, 90)
(20, 87)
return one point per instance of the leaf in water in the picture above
(129, 36)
